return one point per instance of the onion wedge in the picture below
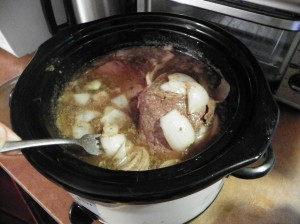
(177, 130)
(197, 98)
(111, 144)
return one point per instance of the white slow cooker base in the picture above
(176, 211)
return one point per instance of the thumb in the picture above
(7, 135)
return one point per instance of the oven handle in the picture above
(260, 170)
(49, 15)
(273, 20)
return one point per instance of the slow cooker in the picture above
(174, 194)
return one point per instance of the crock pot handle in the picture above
(260, 170)
(79, 215)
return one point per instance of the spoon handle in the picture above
(11, 146)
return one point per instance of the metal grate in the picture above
(269, 45)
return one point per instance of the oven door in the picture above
(270, 29)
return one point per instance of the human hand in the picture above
(7, 135)
(10, 66)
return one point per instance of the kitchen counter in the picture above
(273, 199)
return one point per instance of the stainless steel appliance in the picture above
(270, 29)
(82, 11)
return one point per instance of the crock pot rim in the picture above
(82, 28)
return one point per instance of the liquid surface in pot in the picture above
(153, 106)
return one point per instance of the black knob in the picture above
(294, 82)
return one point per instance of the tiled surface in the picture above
(273, 199)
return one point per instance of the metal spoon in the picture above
(90, 143)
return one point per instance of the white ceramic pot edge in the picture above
(176, 211)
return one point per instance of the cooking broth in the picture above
(127, 94)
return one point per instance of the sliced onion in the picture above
(113, 116)
(137, 158)
(202, 132)
(174, 86)
(132, 160)
(100, 96)
(180, 77)
(111, 144)
(145, 163)
(80, 129)
(81, 98)
(121, 154)
(120, 101)
(177, 130)
(177, 83)
(93, 85)
(111, 129)
(197, 97)
(108, 109)
(169, 162)
(87, 116)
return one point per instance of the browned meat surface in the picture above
(145, 59)
(118, 74)
(155, 103)
(149, 104)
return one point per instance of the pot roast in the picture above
(150, 104)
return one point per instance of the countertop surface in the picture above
(273, 199)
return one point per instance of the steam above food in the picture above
(153, 106)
